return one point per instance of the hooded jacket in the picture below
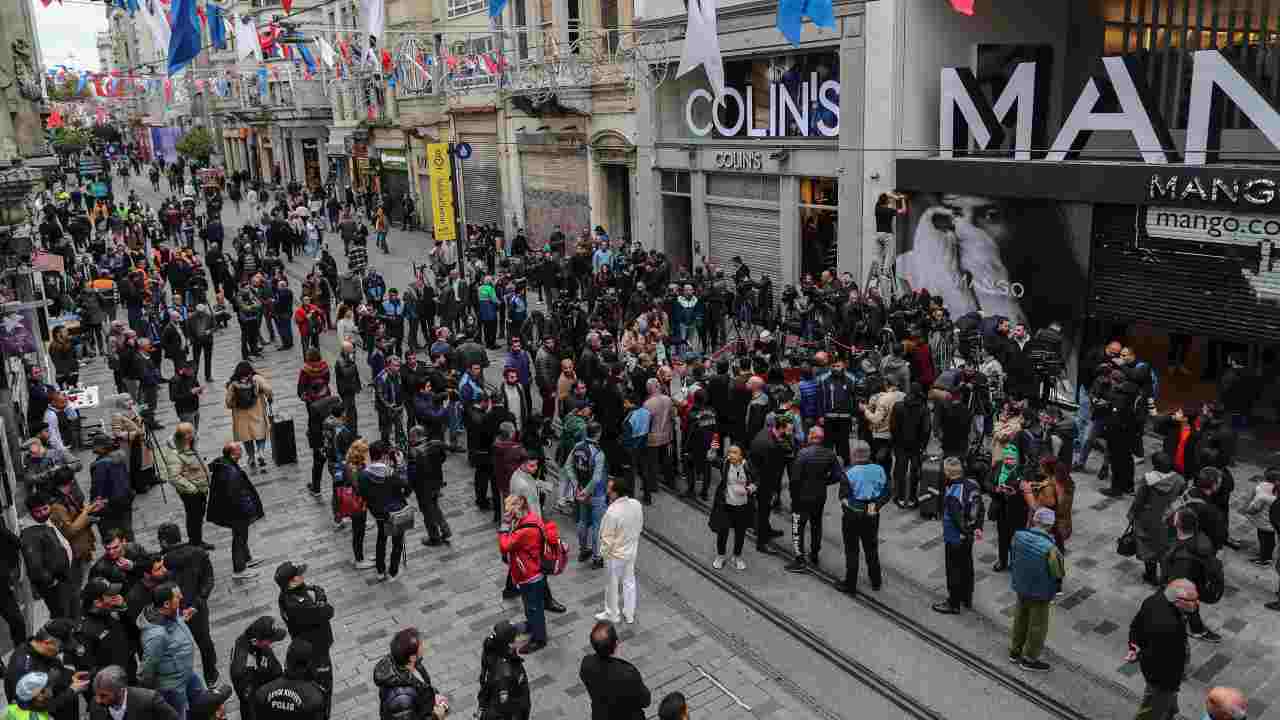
(1188, 559)
(403, 695)
(168, 651)
(1151, 501)
(313, 381)
(382, 488)
(909, 423)
(504, 684)
(347, 375)
(426, 468)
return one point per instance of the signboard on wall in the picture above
(1254, 240)
(791, 96)
(440, 172)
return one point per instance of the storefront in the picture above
(395, 179)
(756, 174)
(554, 182)
(311, 162)
(481, 179)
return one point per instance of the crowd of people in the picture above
(647, 378)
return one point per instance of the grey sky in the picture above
(68, 32)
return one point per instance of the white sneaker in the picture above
(245, 575)
(739, 563)
(339, 525)
(630, 620)
(718, 563)
(364, 564)
(604, 615)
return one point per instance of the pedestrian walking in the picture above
(1158, 643)
(504, 684)
(815, 467)
(308, 615)
(614, 685)
(864, 490)
(733, 507)
(234, 504)
(254, 663)
(620, 530)
(1035, 574)
(247, 396)
(1193, 557)
(521, 539)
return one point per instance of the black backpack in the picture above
(244, 394)
(507, 690)
(583, 459)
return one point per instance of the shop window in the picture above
(677, 228)
(819, 225)
(458, 8)
(743, 187)
(675, 181)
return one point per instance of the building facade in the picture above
(1091, 165)
(767, 172)
(21, 129)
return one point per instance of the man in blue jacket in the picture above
(1036, 568)
(863, 493)
(961, 525)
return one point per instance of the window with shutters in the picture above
(743, 187)
(458, 8)
(675, 181)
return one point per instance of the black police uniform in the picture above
(104, 640)
(292, 697)
(252, 668)
(307, 613)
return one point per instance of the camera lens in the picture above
(943, 222)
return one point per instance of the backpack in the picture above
(244, 395)
(1215, 581)
(555, 554)
(583, 459)
(1184, 501)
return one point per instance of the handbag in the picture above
(402, 520)
(1127, 545)
(349, 503)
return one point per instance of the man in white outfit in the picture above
(619, 541)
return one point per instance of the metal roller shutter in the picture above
(482, 187)
(746, 231)
(1198, 294)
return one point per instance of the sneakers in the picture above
(1033, 665)
(314, 492)
(364, 564)
(597, 564)
(629, 620)
(718, 563)
(1207, 635)
(262, 463)
(1015, 658)
(1261, 561)
(946, 608)
(245, 575)
(383, 577)
(739, 564)
(604, 615)
(339, 524)
(797, 566)
(254, 563)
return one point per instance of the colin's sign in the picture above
(812, 109)
(963, 105)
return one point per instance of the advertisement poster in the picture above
(1026, 260)
(17, 332)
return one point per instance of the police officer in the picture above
(504, 684)
(836, 403)
(307, 613)
(296, 695)
(103, 639)
(253, 663)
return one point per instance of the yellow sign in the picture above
(440, 171)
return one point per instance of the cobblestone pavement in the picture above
(452, 593)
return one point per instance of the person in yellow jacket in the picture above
(32, 701)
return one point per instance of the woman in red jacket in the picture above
(520, 540)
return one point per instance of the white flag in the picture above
(375, 13)
(247, 39)
(702, 44)
(327, 55)
(160, 31)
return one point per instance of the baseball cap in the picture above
(99, 587)
(265, 628)
(288, 571)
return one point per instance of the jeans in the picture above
(249, 344)
(199, 626)
(812, 518)
(959, 559)
(397, 549)
(359, 524)
(765, 493)
(622, 573)
(239, 547)
(1266, 543)
(590, 513)
(861, 529)
(1157, 704)
(533, 596)
(659, 461)
(1030, 627)
(738, 524)
(906, 473)
(252, 448)
(194, 505)
(180, 699)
